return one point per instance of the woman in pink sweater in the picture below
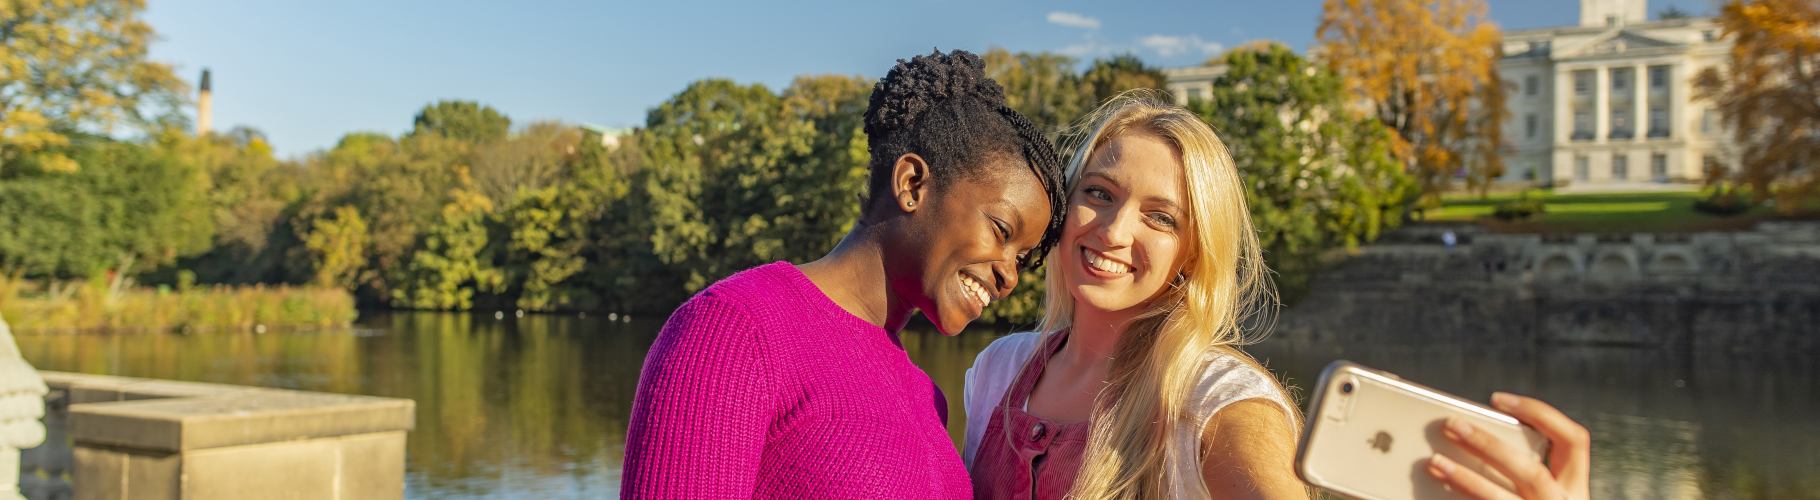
(790, 381)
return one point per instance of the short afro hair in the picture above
(943, 108)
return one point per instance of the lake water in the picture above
(536, 407)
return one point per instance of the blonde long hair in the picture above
(1158, 358)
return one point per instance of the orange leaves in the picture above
(1429, 70)
(1769, 95)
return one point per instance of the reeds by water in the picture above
(93, 307)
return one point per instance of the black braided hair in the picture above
(943, 108)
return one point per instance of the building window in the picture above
(1611, 20)
(1620, 124)
(1658, 121)
(1620, 166)
(1708, 122)
(1710, 165)
(1194, 94)
(1581, 170)
(1583, 82)
(1530, 125)
(1583, 126)
(1658, 167)
(1529, 171)
(1620, 79)
(1658, 77)
(1709, 35)
(1538, 48)
(1531, 85)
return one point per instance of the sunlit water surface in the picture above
(536, 407)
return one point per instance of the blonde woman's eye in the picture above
(1163, 219)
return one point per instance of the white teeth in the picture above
(977, 289)
(1104, 264)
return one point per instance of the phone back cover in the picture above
(1379, 450)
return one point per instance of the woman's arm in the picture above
(1250, 453)
(703, 407)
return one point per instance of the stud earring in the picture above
(910, 204)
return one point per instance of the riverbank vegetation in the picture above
(88, 306)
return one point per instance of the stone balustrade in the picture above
(133, 438)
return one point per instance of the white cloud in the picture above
(1074, 20)
(1167, 45)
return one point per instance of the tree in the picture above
(1317, 175)
(338, 244)
(451, 258)
(1042, 86)
(1769, 96)
(127, 208)
(1110, 77)
(78, 65)
(1428, 69)
(463, 121)
(249, 193)
(742, 176)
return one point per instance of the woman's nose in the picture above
(1117, 231)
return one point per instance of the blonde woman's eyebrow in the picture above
(1108, 177)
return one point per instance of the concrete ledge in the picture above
(146, 438)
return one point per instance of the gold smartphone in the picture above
(1370, 434)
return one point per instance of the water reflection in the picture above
(535, 407)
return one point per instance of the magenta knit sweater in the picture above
(763, 387)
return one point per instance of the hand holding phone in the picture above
(1372, 435)
(1566, 477)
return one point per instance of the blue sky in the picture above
(308, 72)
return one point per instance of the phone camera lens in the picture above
(1346, 388)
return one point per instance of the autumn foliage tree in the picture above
(1769, 96)
(78, 65)
(1429, 70)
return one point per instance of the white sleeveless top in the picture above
(1224, 380)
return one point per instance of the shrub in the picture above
(1521, 208)
(1724, 203)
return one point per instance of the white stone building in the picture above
(1608, 105)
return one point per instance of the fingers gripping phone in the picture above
(1371, 434)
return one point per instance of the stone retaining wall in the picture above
(1745, 291)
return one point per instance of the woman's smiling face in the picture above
(1126, 231)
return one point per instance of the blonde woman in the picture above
(1130, 387)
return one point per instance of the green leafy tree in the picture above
(463, 121)
(250, 194)
(731, 164)
(444, 272)
(128, 208)
(1111, 77)
(78, 65)
(1042, 86)
(1317, 175)
(338, 245)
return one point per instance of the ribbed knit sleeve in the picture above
(699, 420)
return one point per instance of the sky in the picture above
(306, 73)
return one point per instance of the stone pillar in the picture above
(1601, 104)
(1641, 81)
(21, 405)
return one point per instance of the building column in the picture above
(1563, 95)
(1641, 106)
(1601, 104)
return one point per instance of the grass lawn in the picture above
(1628, 212)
